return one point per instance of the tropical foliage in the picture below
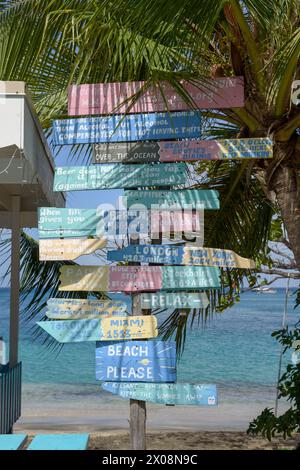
(268, 423)
(51, 44)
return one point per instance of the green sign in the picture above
(110, 176)
(183, 198)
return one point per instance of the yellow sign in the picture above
(68, 249)
(215, 257)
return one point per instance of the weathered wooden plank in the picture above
(180, 255)
(180, 198)
(183, 150)
(70, 249)
(68, 223)
(120, 97)
(104, 329)
(169, 394)
(136, 361)
(127, 128)
(71, 309)
(179, 300)
(111, 176)
(137, 278)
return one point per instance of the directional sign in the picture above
(185, 198)
(183, 150)
(58, 223)
(101, 329)
(136, 361)
(177, 255)
(54, 250)
(106, 98)
(168, 394)
(64, 309)
(173, 300)
(227, 149)
(137, 278)
(109, 176)
(127, 128)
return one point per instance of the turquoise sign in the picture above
(136, 361)
(149, 300)
(183, 198)
(75, 223)
(127, 128)
(167, 394)
(109, 176)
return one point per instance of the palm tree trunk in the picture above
(285, 183)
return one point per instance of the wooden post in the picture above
(15, 282)
(138, 412)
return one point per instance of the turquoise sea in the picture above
(235, 350)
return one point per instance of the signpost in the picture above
(55, 250)
(71, 309)
(101, 329)
(180, 300)
(68, 223)
(183, 150)
(110, 176)
(168, 394)
(106, 98)
(180, 198)
(180, 255)
(136, 361)
(128, 128)
(137, 278)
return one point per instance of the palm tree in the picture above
(51, 44)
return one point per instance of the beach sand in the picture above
(198, 440)
(168, 428)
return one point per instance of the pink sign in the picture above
(135, 278)
(108, 98)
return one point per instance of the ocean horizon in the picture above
(235, 350)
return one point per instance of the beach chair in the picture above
(59, 442)
(12, 441)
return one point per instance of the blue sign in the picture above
(136, 361)
(168, 394)
(127, 128)
(180, 255)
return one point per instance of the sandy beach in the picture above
(177, 428)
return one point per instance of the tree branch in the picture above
(279, 273)
(284, 134)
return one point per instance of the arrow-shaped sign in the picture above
(101, 329)
(173, 300)
(180, 255)
(70, 249)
